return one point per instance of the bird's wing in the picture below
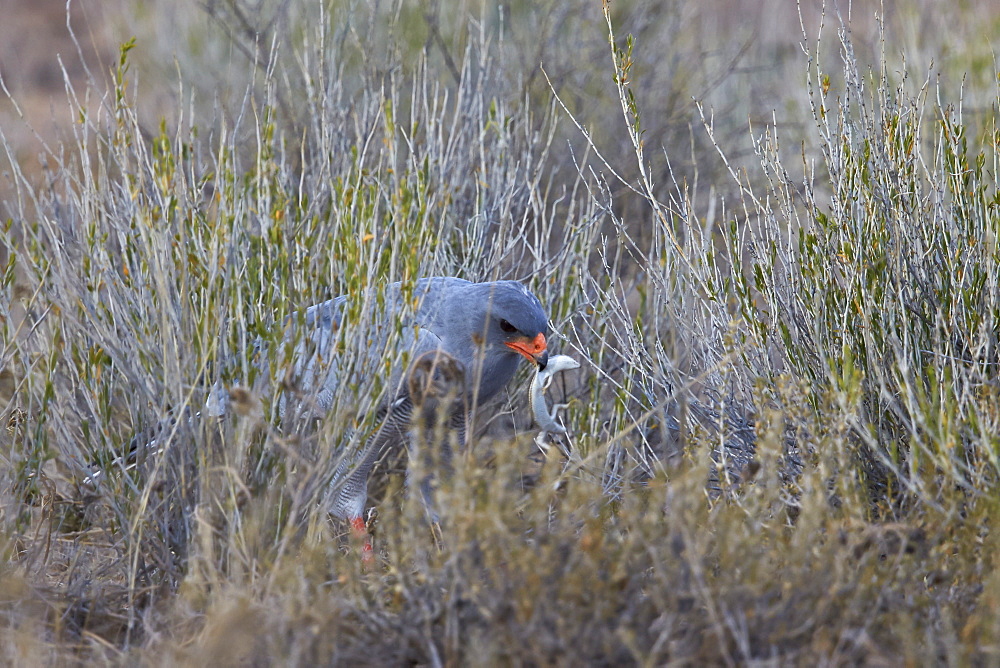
(324, 359)
(399, 326)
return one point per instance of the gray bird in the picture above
(482, 329)
(450, 326)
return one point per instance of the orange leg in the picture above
(360, 531)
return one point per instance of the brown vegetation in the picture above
(783, 439)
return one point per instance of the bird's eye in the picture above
(507, 327)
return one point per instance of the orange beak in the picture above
(534, 350)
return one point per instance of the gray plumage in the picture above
(436, 386)
(469, 337)
(451, 313)
(477, 330)
(431, 418)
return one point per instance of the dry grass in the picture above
(783, 440)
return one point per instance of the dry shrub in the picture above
(782, 441)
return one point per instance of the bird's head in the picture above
(487, 327)
(515, 320)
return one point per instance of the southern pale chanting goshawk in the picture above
(459, 334)
(451, 327)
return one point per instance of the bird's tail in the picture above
(150, 441)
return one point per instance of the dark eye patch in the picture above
(507, 327)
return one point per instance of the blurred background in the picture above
(743, 60)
